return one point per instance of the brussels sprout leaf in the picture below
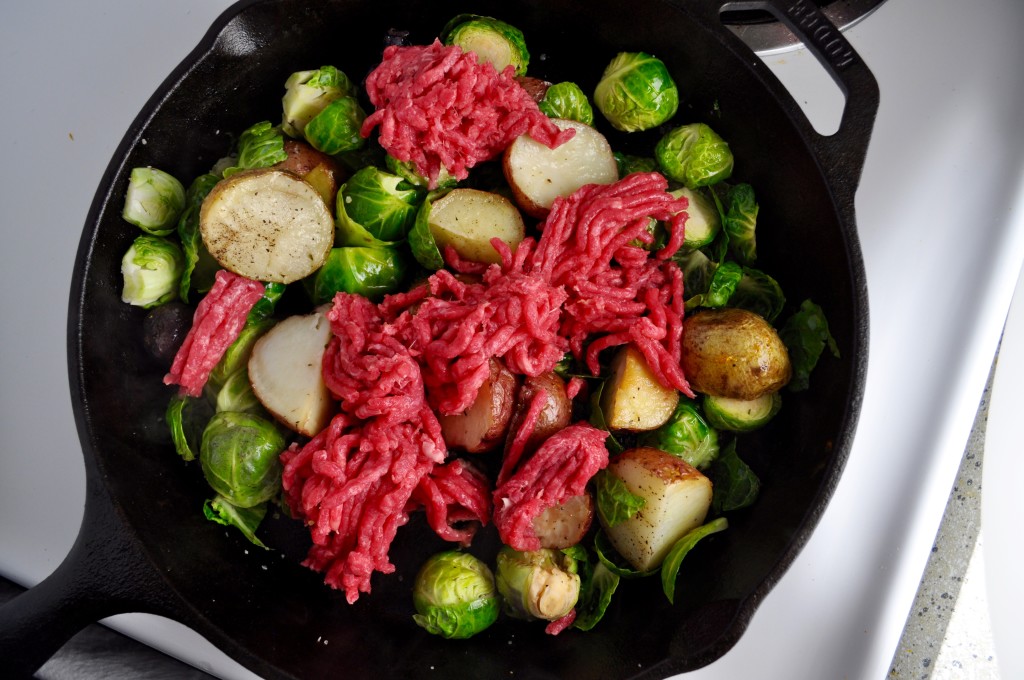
(674, 559)
(759, 293)
(723, 282)
(597, 586)
(200, 266)
(740, 221)
(615, 502)
(614, 562)
(805, 335)
(186, 417)
(260, 146)
(597, 419)
(246, 520)
(736, 485)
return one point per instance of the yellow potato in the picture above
(633, 399)
(733, 353)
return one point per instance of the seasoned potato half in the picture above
(676, 499)
(538, 175)
(267, 225)
(633, 399)
(564, 525)
(467, 220)
(484, 424)
(286, 376)
(733, 353)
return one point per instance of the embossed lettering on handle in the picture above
(825, 35)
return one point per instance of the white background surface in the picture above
(939, 212)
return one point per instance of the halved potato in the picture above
(676, 499)
(286, 375)
(633, 399)
(555, 415)
(267, 225)
(484, 424)
(538, 175)
(467, 220)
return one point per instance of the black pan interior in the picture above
(275, 616)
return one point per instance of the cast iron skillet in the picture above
(144, 545)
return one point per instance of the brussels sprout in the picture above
(384, 204)
(538, 584)
(307, 93)
(686, 435)
(703, 222)
(454, 595)
(567, 100)
(246, 520)
(154, 201)
(335, 130)
(151, 269)
(636, 92)
(259, 146)
(407, 171)
(758, 293)
(698, 270)
(723, 283)
(491, 40)
(239, 457)
(806, 335)
(740, 221)
(368, 271)
(629, 164)
(694, 155)
(236, 394)
(741, 415)
(200, 267)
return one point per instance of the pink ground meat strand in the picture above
(441, 109)
(219, 318)
(557, 471)
(457, 500)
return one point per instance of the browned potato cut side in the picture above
(286, 376)
(538, 175)
(676, 499)
(633, 399)
(484, 424)
(733, 353)
(564, 525)
(267, 225)
(467, 220)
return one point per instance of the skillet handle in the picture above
(105, 573)
(843, 152)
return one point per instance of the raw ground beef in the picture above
(441, 109)
(219, 318)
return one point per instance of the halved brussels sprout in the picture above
(636, 92)
(154, 201)
(368, 271)
(239, 456)
(538, 584)
(567, 100)
(384, 204)
(151, 269)
(686, 435)
(454, 595)
(694, 155)
(703, 222)
(307, 93)
(335, 130)
(493, 41)
(741, 415)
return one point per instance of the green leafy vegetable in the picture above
(686, 435)
(674, 559)
(759, 293)
(239, 457)
(614, 562)
(154, 201)
(740, 222)
(335, 130)
(455, 595)
(236, 394)
(597, 586)
(200, 267)
(259, 146)
(736, 485)
(805, 335)
(151, 269)
(615, 502)
(567, 100)
(636, 92)
(371, 272)
(246, 520)
(723, 283)
(186, 417)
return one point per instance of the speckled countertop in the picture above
(948, 635)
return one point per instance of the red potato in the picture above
(484, 424)
(321, 171)
(565, 525)
(538, 175)
(555, 415)
(535, 87)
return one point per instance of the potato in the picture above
(633, 399)
(733, 353)
(484, 424)
(538, 175)
(267, 225)
(555, 415)
(467, 220)
(535, 87)
(321, 171)
(676, 500)
(286, 376)
(564, 525)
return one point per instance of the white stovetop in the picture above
(940, 217)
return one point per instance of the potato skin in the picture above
(733, 353)
(555, 415)
(483, 426)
